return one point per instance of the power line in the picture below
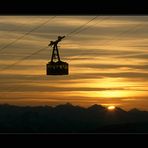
(122, 33)
(25, 58)
(27, 33)
(113, 37)
(91, 25)
(17, 62)
(36, 52)
(75, 30)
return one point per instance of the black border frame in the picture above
(60, 7)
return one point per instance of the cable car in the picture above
(56, 66)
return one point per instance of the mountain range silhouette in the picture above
(67, 118)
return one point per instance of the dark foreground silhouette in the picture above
(67, 118)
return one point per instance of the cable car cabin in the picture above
(57, 68)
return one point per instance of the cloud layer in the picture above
(107, 58)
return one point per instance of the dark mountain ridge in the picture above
(67, 118)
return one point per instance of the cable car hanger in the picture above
(54, 44)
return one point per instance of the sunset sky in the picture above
(108, 61)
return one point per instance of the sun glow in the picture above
(111, 107)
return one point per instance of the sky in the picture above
(107, 60)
